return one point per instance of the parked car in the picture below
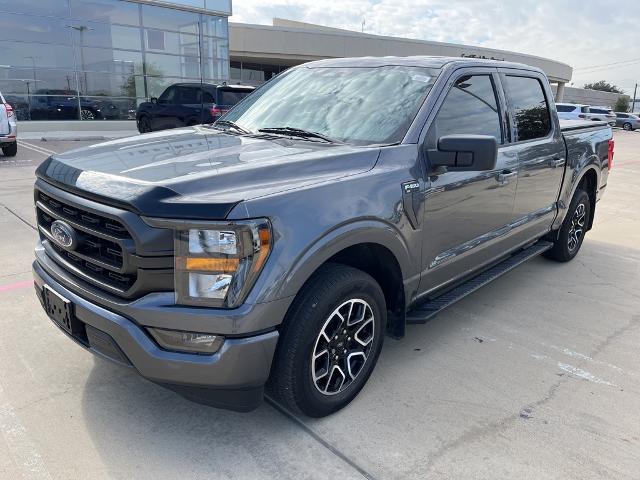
(628, 121)
(8, 129)
(602, 114)
(572, 111)
(187, 104)
(62, 105)
(282, 243)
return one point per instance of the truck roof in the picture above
(417, 61)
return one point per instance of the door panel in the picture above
(467, 214)
(541, 152)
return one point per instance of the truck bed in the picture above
(572, 125)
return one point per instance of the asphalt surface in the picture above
(535, 376)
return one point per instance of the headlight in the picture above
(217, 264)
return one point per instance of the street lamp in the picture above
(81, 29)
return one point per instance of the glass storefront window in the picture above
(173, 65)
(30, 28)
(167, 19)
(108, 11)
(54, 8)
(98, 59)
(105, 35)
(36, 55)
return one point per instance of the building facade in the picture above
(97, 59)
(258, 52)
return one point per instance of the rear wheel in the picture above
(573, 229)
(10, 150)
(627, 126)
(86, 114)
(329, 342)
(144, 124)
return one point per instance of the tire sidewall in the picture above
(315, 403)
(627, 127)
(580, 197)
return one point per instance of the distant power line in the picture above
(593, 68)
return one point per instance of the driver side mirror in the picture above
(154, 99)
(464, 153)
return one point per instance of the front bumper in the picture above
(232, 378)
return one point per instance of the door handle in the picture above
(504, 176)
(556, 162)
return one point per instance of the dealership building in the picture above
(67, 59)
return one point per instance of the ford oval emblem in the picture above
(64, 234)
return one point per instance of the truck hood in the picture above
(199, 172)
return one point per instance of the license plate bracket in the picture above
(60, 310)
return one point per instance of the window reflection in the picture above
(97, 59)
(470, 107)
(530, 105)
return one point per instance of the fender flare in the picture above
(579, 173)
(340, 238)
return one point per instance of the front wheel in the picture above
(144, 124)
(329, 342)
(627, 126)
(573, 228)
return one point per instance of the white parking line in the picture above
(36, 148)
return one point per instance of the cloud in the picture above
(580, 33)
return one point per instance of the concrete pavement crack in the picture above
(20, 218)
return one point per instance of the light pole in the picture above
(81, 29)
(633, 105)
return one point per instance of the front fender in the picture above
(345, 236)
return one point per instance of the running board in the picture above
(425, 311)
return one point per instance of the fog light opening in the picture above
(187, 342)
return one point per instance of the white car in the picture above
(572, 111)
(8, 129)
(602, 114)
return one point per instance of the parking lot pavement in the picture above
(534, 376)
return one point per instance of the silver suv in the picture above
(8, 129)
(602, 114)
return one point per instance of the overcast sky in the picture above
(582, 33)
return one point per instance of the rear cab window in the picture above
(231, 96)
(565, 108)
(530, 108)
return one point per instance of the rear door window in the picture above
(530, 107)
(231, 96)
(622, 115)
(470, 107)
(188, 95)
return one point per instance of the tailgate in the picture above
(4, 121)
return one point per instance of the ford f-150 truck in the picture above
(340, 201)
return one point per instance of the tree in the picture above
(603, 86)
(622, 105)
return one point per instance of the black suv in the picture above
(186, 104)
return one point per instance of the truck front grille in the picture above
(102, 245)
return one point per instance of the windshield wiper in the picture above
(297, 132)
(230, 124)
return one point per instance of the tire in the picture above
(86, 114)
(313, 325)
(573, 229)
(627, 126)
(10, 150)
(144, 124)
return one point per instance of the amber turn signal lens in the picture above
(212, 264)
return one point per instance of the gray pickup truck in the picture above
(337, 203)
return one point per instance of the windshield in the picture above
(361, 106)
